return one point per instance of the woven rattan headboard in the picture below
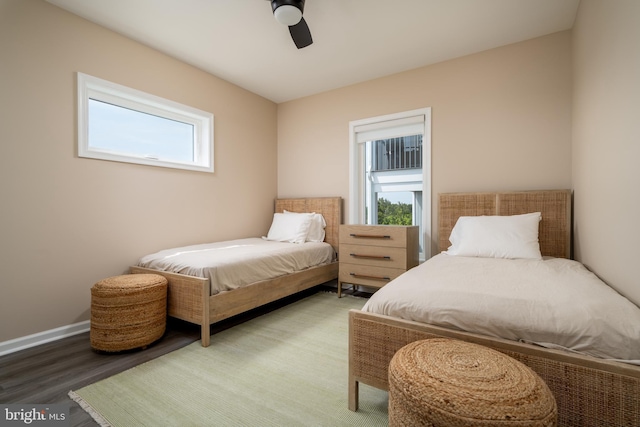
(329, 207)
(555, 205)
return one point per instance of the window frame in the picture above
(97, 89)
(357, 167)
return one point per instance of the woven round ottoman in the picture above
(128, 311)
(445, 382)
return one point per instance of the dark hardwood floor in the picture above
(45, 374)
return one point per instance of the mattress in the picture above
(552, 302)
(235, 263)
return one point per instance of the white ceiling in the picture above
(354, 40)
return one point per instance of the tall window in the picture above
(390, 172)
(126, 125)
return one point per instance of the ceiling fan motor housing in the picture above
(288, 12)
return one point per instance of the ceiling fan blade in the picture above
(300, 34)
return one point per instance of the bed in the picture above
(190, 298)
(589, 391)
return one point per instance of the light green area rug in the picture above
(286, 368)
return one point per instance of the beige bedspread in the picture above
(555, 303)
(235, 263)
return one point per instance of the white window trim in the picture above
(90, 87)
(356, 183)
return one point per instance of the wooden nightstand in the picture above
(373, 255)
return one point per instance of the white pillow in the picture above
(289, 228)
(513, 236)
(316, 230)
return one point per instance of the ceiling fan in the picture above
(289, 13)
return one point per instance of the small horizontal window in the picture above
(122, 124)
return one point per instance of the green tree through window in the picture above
(394, 213)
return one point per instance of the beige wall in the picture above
(606, 141)
(68, 222)
(501, 120)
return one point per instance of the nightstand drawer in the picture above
(367, 276)
(375, 235)
(379, 256)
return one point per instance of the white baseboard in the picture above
(33, 340)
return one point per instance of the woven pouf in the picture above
(128, 311)
(451, 383)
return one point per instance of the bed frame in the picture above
(589, 391)
(190, 299)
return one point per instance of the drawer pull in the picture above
(369, 236)
(387, 257)
(362, 276)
